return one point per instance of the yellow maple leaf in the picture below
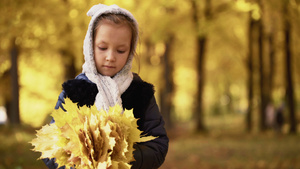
(87, 138)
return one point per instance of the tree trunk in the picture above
(201, 43)
(167, 91)
(250, 74)
(67, 51)
(201, 51)
(272, 64)
(13, 111)
(263, 81)
(288, 66)
(69, 63)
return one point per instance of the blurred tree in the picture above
(66, 50)
(13, 111)
(288, 67)
(31, 25)
(201, 40)
(270, 24)
(10, 53)
(250, 82)
(272, 63)
(72, 32)
(262, 76)
(193, 59)
(158, 22)
(167, 91)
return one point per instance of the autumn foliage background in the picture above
(216, 66)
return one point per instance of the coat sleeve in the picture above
(50, 163)
(151, 154)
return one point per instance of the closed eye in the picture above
(121, 51)
(102, 48)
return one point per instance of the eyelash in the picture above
(119, 51)
(102, 48)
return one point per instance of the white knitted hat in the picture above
(95, 12)
(110, 89)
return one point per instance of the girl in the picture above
(106, 80)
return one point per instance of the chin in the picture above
(108, 74)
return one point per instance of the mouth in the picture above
(109, 67)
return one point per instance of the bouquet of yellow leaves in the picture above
(90, 139)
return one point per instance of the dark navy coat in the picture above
(140, 97)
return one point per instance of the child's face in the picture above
(111, 47)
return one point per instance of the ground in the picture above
(240, 151)
(221, 150)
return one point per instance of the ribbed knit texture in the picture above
(110, 89)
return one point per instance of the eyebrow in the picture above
(121, 45)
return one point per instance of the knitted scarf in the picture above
(110, 89)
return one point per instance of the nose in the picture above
(110, 56)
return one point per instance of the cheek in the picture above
(125, 59)
(97, 58)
